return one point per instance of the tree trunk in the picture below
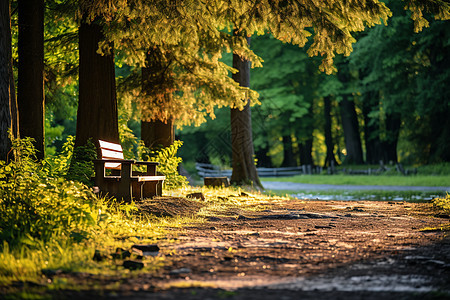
(393, 122)
(30, 89)
(330, 158)
(351, 132)
(8, 103)
(157, 134)
(371, 129)
(305, 151)
(243, 164)
(288, 158)
(97, 107)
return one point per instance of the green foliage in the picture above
(82, 166)
(167, 157)
(36, 206)
(58, 164)
(128, 140)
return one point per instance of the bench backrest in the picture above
(111, 151)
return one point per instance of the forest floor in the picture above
(293, 249)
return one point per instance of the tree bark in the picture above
(351, 132)
(97, 107)
(393, 122)
(330, 158)
(30, 89)
(288, 153)
(8, 103)
(371, 129)
(157, 134)
(305, 151)
(243, 164)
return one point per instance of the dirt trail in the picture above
(303, 250)
(293, 186)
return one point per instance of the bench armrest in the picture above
(119, 161)
(148, 163)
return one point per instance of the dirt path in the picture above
(303, 250)
(297, 250)
(273, 185)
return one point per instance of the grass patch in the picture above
(442, 206)
(417, 180)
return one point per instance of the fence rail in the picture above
(208, 170)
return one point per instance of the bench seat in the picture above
(124, 183)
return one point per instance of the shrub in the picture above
(442, 204)
(167, 157)
(81, 165)
(35, 204)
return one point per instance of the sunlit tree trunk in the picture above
(30, 89)
(243, 163)
(8, 104)
(97, 107)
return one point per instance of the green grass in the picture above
(417, 180)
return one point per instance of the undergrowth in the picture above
(51, 224)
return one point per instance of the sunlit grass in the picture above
(414, 180)
(221, 202)
(118, 226)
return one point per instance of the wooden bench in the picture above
(124, 183)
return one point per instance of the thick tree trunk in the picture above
(97, 107)
(351, 132)
(371, 130)
(8, 103)
(244, 168)
(157, 134)
(30, 89)
(330, 158)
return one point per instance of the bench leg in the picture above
(152, 189)
(137, 190)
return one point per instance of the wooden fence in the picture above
(208, 170)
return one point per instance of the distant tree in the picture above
(330, 158)
(401, 74)
(8, 104)
(30, 88)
